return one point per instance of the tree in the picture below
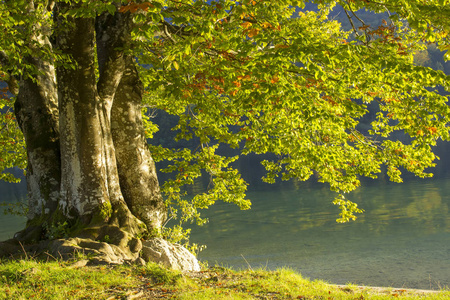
(260, 76)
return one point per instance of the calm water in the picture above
(11, 193)
(402, 240)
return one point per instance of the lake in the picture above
(402, 240)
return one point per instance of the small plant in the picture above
(56, 230)
(106, 239)
(160, 274)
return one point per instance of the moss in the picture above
(101, 214)
(105, 210)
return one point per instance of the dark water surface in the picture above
(402, 240)
(11, 193)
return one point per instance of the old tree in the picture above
(259, 76)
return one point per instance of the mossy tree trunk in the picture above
(88, 162)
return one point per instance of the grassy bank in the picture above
(31, 279)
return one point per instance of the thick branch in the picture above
(113, 32)
(137, 172)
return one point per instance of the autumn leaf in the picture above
(266, 25)
(253, 32)
(432, 130)
(275, 79)
(246, 25)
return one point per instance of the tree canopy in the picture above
(259, 76)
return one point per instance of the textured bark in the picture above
(38, 120)
(137, 172)
(88, 161)
(36, 109)
(89, 173)
(88, 158)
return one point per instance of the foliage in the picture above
(19, 208)
(56, 230)
(255, 76)
(12, 153)
(260, 80)
(179, 235)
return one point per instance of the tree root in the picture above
(107, 244)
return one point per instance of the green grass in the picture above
(32, 279)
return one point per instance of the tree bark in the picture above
(36, 113)
(36, 109)
(137, 171)
(89, 180)
(88, 161)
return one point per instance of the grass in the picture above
(33, 279)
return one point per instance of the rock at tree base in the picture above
(156, 250)
(170, 255)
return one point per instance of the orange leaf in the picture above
(253, 32)
(432, 130)
(246, 77)
(266, 25)
(246, 25)
(123, 9)
(275, 79)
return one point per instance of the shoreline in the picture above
(386, 290)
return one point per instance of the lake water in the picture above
(402, 240)
(11, 193)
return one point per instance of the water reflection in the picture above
(11, 193)
(402, 240)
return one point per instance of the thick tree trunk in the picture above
(37, 115)
(88, 159)
(91, 177)
(36, 109)
(90, 189)
(137, 172)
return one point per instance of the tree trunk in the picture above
(137, 172)
(89, 167)
(37, 116)
(36, 109)
(91, 177)
(90, 188)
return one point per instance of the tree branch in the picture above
(113, 32)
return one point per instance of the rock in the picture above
(135, 245)
(139, 262)
(169, 255)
